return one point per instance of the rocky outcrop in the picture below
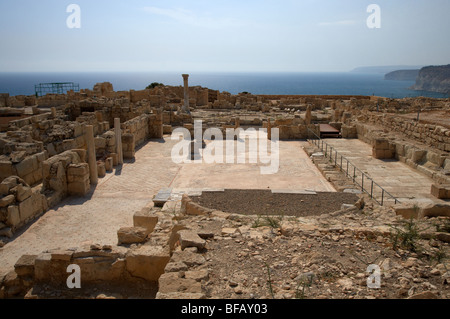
(434, 79)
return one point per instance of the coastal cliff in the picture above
(402, 75)
(433, 79)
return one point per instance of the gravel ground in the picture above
(264, 202)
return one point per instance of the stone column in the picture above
(53, 112)
(308, 115)
(118, 133)
(186, 93)
(92, 157)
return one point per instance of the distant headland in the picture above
(402, 75)
(385, 69)
(433, 79)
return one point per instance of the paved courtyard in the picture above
(96, 218)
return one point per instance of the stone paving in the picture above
(296, 172)
(97, 217)
(399, 179)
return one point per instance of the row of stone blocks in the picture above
(165, 258)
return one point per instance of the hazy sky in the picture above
(228, 35)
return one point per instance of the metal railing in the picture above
(361, 179)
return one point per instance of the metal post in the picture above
(382, 197)
(354, 173)
(362, 183)
(371, 190)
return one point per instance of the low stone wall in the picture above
(19, 204)
(293, 129)
(139, 130)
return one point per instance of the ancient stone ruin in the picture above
(378, 175)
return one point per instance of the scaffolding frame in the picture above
(42, 89)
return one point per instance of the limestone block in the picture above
(190, 238)
(100, 142)
(195, 209)
(68, 145)
(440, 191)
(79, 188)
(82, 153)
(50, 271)
(400, 149)
(6, 201)
(197, 275)
(79, 179)
(101, 169)
(145, 219)
(26, 166)
(435, 210)
(13, 217)
(25, 266)
(109, 164)
(30, 207)
(78, 169)
(132, 235)
(175, 267)
(6, 169)
(23, 192)
(115, 158)
(407, 211)
(418, 156)
(435, 158)
(147, 262)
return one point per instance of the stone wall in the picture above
(294, 128)
(432, 135)
(19, 204)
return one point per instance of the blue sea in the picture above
(255, 83)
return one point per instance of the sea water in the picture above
(255, 83)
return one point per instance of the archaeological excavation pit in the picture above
(266, 202)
